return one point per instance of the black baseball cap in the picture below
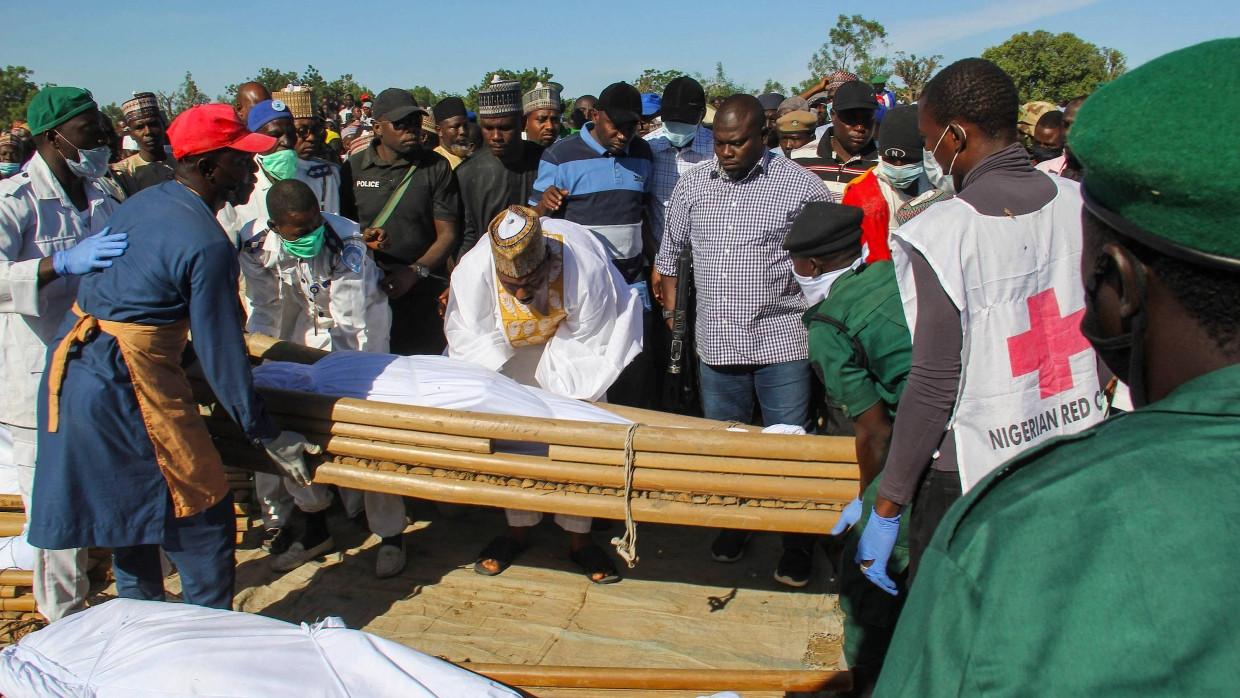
(395, 104)
(621, 102)
(684, 100)
(855, 95)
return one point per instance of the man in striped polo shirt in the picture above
(847, 149)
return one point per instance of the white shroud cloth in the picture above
(151, 648)
(601, 334)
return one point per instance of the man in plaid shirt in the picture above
(735, 213)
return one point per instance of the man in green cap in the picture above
(1102, 563)
(859, 345)
(53, 228)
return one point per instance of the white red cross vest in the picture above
(1027, 372)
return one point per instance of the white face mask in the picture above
(934, 173)
(91, 164)
(679, 134)
(900, 176)
(816, 288)
(952, 164)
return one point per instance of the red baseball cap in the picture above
(210, 127)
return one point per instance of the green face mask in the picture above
(279, 165)
(306, 246)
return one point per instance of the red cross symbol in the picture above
(1049, 344)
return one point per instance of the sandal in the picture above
(593, 561)
(503, 550)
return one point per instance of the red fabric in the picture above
(208, 127)
(864, 193)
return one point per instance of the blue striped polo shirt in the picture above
(606, 193)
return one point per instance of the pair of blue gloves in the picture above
(877, 542)
(95, 252)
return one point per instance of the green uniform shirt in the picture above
(867, 302)
(1101, 564)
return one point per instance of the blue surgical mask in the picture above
(900, 176)
(678, 134)
(8, 169)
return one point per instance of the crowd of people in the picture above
(1060, 278)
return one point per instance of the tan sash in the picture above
(187, 458)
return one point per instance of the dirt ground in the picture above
(676, 609)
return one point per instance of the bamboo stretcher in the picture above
(683, 470)
(609, 678)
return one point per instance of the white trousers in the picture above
(573, 524)
(385, 513)
(60, 582)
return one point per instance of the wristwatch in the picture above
(422, 270)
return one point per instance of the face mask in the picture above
(1125, 354)
(1041, 154)
(8, 169)
(678, 134)
(279, 165)
(91, 164)
(306, 246)
(934, 173)
(816, 288)
(901, 176)
(952, 164)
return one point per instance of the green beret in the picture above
(1145, 188)
(53, 106)
(823, 228)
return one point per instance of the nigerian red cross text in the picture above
(1049, 344)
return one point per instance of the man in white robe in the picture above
(543, 304)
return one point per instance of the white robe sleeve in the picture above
(361, 315)
(262, 290)
(603, 330)
(470, 322)
(19, 280)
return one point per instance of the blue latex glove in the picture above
(876, 544)
(95, 252)
(848, 517)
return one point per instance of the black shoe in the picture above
(794, 567)
(277, 540)
(729, 545)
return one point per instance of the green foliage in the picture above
(1055, 67)
(720, 85)
(16, 91)
(776, 87)
(851, 47)
(275, 79)
(915, 71)
(112, 111)
(655, 81)
(427, 97)
(186, 95)
(528, 78)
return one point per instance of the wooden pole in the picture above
(263, 347)
(11, 502)
(664, 679)
(387, 434)
(655, 418)
(441, 489)
(707, 464)
(11, 523)
(21, 578)
(831, 449)
(21, 603)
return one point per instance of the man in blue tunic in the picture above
(125, 459)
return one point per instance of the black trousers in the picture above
(938, 492)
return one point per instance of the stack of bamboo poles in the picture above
(16, 586)
(241, 482)
(696, 473)
(537, 679)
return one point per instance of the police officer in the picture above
(53, 228)
(1103, 562)
(859, 346)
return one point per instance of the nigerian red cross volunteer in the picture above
(125, 460)
(1104, 563)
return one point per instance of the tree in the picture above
(851, 47)
(1055, 67)
(186, 95)
(16, 91)
(528, 78)
(112, 111)
(915, 71)
(774, 86)
(655, 81)
(720, 85)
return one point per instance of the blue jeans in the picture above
(782, 390)
(201, 546)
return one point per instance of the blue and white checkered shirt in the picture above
(749, 306)
(669, 164)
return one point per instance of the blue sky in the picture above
(114, 48)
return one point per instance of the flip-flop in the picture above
(592, 561)
(503, 550)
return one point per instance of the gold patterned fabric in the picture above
(517, 241)
(525, 326)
